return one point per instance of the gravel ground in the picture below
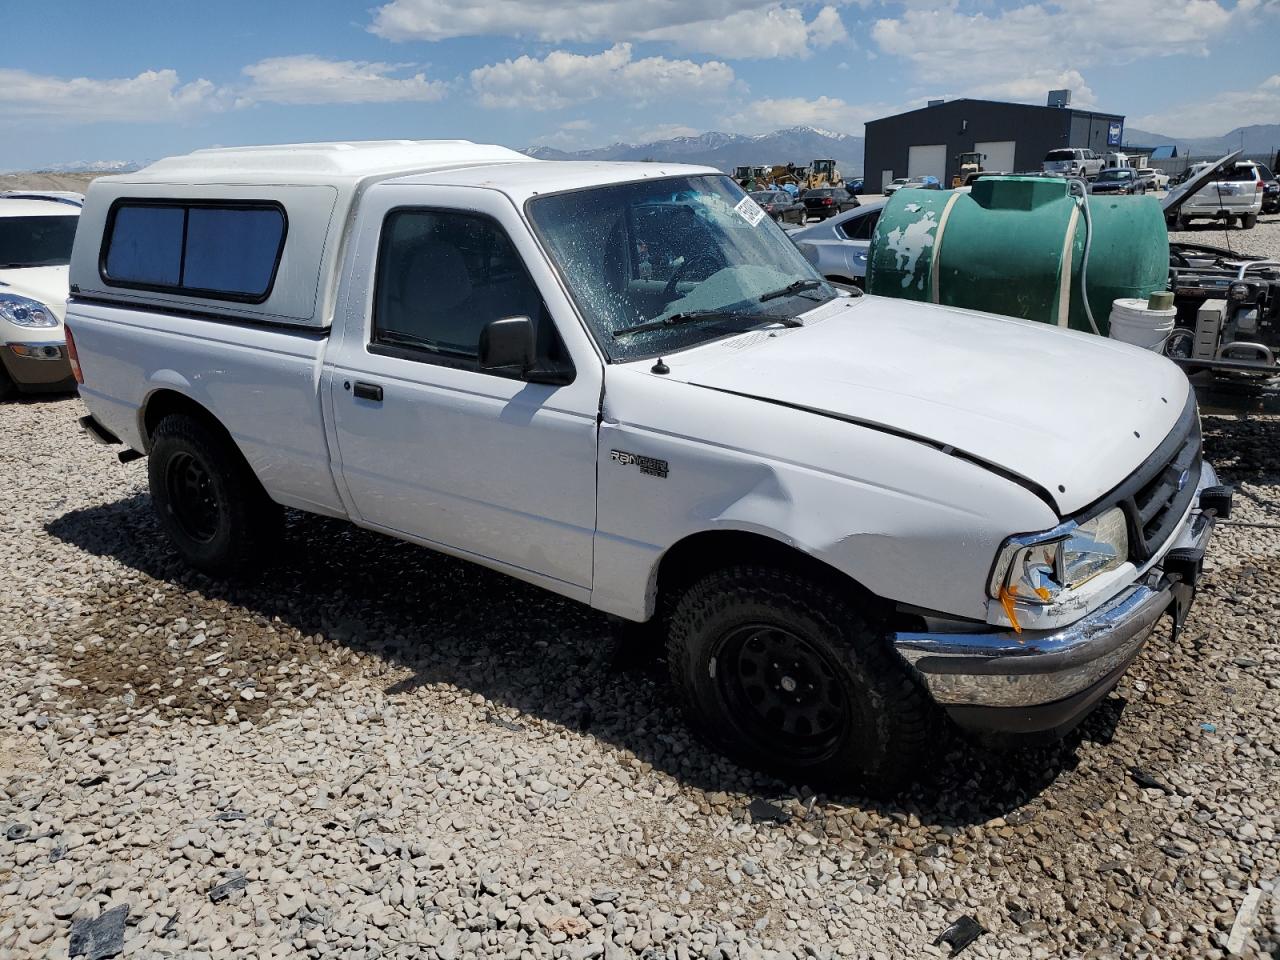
(79, 182)
(388, 753)
(1263, 238)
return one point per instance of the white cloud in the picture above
(1033, 86)
(560, 79)
(310, 79)
(827, 28)
(1213, 116)
(567, 136)
(830, 113)
(159, 96)
(733, 29)
(1021, 53)
(775, 31)
(664, 131)
(152, 96)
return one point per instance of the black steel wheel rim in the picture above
(783, 690)
(192, 497)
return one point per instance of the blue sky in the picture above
(92, 81)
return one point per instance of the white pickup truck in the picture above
(850, 516)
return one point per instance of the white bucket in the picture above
(1132, 321)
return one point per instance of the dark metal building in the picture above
(1014, 136)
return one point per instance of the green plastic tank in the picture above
(1015, 246)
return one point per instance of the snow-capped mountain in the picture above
(798, 145)
(96, 166)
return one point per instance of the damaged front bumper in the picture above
(1048, 680)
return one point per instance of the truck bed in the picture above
(263, 381)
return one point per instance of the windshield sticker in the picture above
(749, 211)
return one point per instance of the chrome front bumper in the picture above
(1040, 680)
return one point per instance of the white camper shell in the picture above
(315, 186)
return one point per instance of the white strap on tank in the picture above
(937, 247)
(1064, 271)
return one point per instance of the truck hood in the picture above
(46, 284)
(1070, 414)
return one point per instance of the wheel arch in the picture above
(700, 553)
(167, 401)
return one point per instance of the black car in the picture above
(1118, 180)
(780, 205)
(823, 202)
(1270, 190)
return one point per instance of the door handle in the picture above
(368, 391)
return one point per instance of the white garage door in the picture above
(999, 154)
(927, 161)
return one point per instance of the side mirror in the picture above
(507, 344)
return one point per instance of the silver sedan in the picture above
(839, 247)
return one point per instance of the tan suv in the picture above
(36, 233)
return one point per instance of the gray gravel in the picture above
(1262, 239)
(381, 752)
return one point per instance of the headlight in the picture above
(25, 312)
(1036, 569)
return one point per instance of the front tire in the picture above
(8, 389)
(210, 504)
(785, 675)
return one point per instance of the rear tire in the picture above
(211, 506)
(1249, 221)
(788, 676)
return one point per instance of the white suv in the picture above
(1233, 195)
(1073, 162)
(36, 233)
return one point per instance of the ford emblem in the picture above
(1183, 478)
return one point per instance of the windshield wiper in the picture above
(798, 287)
(696, 316)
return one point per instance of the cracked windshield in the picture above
(661, 265)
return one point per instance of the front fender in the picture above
(906, 521)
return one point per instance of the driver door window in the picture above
(442, 277)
